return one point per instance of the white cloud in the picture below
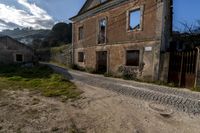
(3, 26)
(34, 16)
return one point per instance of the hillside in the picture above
(26, 35)
(60, 34)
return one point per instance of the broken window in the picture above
(132, 57)
(102, 31)
(19, 57)
(134, 19)
(80, 57)
(102, 1)
(80, 34)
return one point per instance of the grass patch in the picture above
(197, 89)
(40, 78)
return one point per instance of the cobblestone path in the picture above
(182, 100)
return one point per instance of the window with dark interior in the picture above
(134, 20)
(80, 33)
(19, 57)
(102, 31)
(80, 57)
(132, 57)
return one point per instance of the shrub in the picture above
(90, 70)
(128, 73)
(107, 74)
(76, 67)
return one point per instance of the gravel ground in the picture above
(180, 99)
(106, 106)
(97, 111)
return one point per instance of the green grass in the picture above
(197, 89)
(39, 78)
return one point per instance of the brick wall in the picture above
(62, 55)
(119, 39)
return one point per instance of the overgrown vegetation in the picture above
(61, 55)
(108, 75)
(39, 78)
(160, 83)
(197, 89)
(126, 75)
(76, 67)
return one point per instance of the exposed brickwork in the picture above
(117, 26)
(62, 55)
(119, 38)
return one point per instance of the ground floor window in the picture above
(80, 56)
(19, 57)
(132, 57)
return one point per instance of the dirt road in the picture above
(97, 111)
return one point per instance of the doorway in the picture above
(101, 61)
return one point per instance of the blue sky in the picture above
(44, 13)
(186, 11)
(36, 13)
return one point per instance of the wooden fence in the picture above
(183, 68)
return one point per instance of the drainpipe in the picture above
(197, 67)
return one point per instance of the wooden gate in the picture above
(182, 68)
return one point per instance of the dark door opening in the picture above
(102, 61)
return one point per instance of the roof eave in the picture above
(81, 13)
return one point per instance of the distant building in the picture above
(12, 51)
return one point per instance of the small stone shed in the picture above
(12, 51)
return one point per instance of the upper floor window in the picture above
(134, 20)
(80, 33)
(102, 1)
(102, 31)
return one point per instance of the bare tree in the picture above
(188, 37)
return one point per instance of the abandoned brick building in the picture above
(123, 35)
(12, 51)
